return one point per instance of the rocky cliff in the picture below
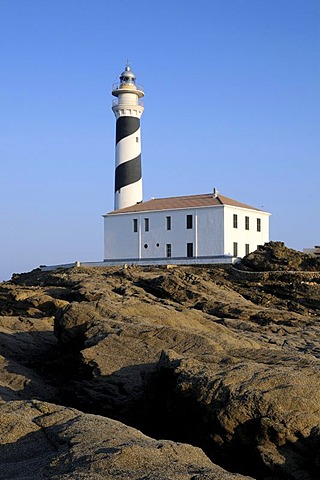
(191, 373)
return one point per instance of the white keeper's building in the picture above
(208, 228)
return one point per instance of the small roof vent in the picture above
(215, 192)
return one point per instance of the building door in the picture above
(189, 250)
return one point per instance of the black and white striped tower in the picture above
(128, 108)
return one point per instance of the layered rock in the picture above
(223, 358)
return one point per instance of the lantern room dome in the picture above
(127, 76)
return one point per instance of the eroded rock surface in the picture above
(223, 358)
(276, 256)
(43, 441)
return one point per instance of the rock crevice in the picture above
(219, 357)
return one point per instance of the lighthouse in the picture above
(128, 108)
(193, 229)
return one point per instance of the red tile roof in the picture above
(189, 201)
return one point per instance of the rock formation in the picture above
(219, 358)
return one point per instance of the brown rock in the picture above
(40, 440)
(240, 375)
(23, 341)
(263, 410)
(276, 256)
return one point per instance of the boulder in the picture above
(276, 256)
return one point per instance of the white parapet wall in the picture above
(172, 261)
(312, 251)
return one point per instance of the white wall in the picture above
(178, 236)
(210, 223)
(312, 251)
(122, 242)
(242, 236)
(119, 240)
(212, 233)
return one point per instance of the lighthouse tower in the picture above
(128, 108)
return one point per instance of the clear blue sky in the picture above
(232, 101)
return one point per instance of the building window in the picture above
(168, 250)
(247, 223)
(235, 220)
(137, 139)
(189, 249)
(135, 225)
(168, 222)
(235, 249)
(189, 221)
(146, 224)
(247, 248)
(258, 224)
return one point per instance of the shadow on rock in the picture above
(23, 358)
(248, 432)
